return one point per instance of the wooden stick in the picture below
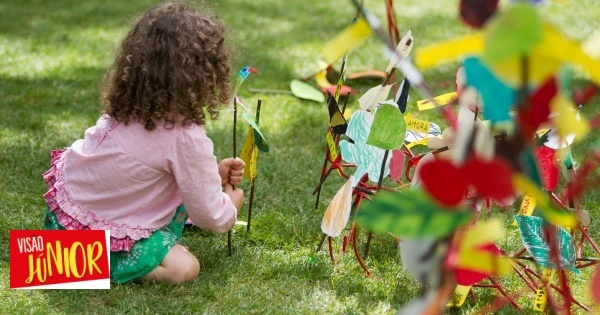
(229, 244)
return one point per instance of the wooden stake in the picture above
(229, 244)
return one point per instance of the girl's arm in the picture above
(195, 168)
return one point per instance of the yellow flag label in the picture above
(349, 38)
(331, 145)
(459, 296)
(527, 207)
(541, 297)
(441, 100)
(249, 155)
(417, 125)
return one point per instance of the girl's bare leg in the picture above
(178, 266)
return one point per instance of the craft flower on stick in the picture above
(355, 150)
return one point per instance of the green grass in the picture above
(53, 55)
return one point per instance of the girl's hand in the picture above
(236, 195)
(231, 171)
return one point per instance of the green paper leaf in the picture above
(306, 91)
(512, 33)
(532, 231)
(259, 139)
(411, 214)
(388, 129)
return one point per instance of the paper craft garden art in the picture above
(511, 124)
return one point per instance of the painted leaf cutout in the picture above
(337, 214)
(411, 214)
(260, 140)
(336, 119)
(306, 91)
(532, 234)
(547, 211)
(498, 98)
(389, 128)
(368, 159)
(513, 32)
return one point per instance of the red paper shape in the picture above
(396, 164)
(345, 89)
(467, 277)
(531, 117)
(475, 13)
(548, 167)
(448, 183)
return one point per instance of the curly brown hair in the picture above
(171, 65)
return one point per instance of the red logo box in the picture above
(48, 259)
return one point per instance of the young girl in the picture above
(148, 164)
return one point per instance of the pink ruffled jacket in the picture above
(128, 180)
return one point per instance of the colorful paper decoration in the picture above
(368, 159)
(259, 139)
(388, 129)
(513, 33)
(533, 236)
(475, 13)
(337, 122)
(374, 96)
(337, 214)
(448, 183)
(441, 100)
(433, 55)
(545, 209)
(498, 98)
(249, 155)
(478, 253)
(411, 214)
(306, 91)
(541, 294)
(349, 38)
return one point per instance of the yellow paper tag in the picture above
(470, 256)
(348, 113)
(349, 38)
(527, 207)
(249, 155)
(449, 50)
(541, 299)
(441, 100)
(459, 296)
(419, 142)
(417, 125)
(331, 145)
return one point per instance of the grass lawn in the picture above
(53, 55)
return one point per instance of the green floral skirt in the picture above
(145, 255)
